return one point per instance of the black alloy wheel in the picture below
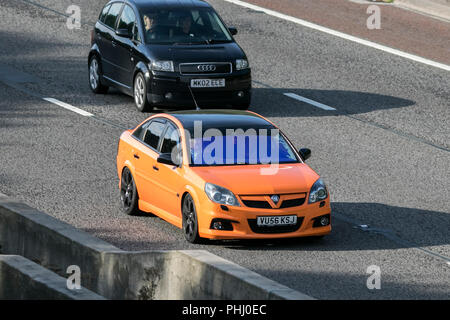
(128, 194)
(140, 93)
(190, 222)
(94, 76)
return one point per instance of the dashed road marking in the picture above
(68, 107)
(309, 101)
(342, 35)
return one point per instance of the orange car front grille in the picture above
(265, 201)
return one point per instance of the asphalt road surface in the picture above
(384, 151)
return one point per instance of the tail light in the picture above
(92, 37)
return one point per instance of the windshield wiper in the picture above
(212, 41)
(205, 41)
(186, 43)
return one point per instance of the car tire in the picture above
(140, 93)
(94, 76)
(189, 220)
(128, 194)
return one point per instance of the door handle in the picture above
(113, 43)
(136, 156)
(155, 168)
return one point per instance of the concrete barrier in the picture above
(185, 274)
(118, 274)
(21, 278)
(53, 244)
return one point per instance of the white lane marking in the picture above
(342, 35)
(311, 102)
(68, 107)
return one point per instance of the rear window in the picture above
(103, 14)
(153, 134)
(139, 132)
(111, 17)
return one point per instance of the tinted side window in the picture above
(127, 19)
(171, 140)
(136, 35)
(153, 134)
(103, 14)
(111, 17)
(139, 132)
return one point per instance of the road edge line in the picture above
(342, 35)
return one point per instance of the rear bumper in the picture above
(169, 90)
(244, 220)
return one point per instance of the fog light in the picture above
(222, 224)
(324, 221)
(218, 225)
(168, 95)
(321, 221)
(240, 94)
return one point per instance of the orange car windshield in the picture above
(240, 150)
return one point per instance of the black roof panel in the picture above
(221, 119)
(169, 3)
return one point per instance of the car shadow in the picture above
(272, 102)
(266, 100)
(388, 227)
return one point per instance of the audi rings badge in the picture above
(206, 67)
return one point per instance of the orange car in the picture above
(221, 174)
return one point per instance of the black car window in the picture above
(139, 132)
(212, 23)
(136, 35)
(197, 19)
(171, 139)
(183, 25)
(104, 12)
(153, 134)
(113, 12)
(127, 19)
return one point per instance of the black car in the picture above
(166, 52)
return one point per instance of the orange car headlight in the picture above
(318, 192)
(221, 195)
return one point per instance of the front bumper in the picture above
(171, 90)
(244, 221)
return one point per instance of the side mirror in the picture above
(166, 158)
(123, 33)
(233, 30)
(305, 153)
